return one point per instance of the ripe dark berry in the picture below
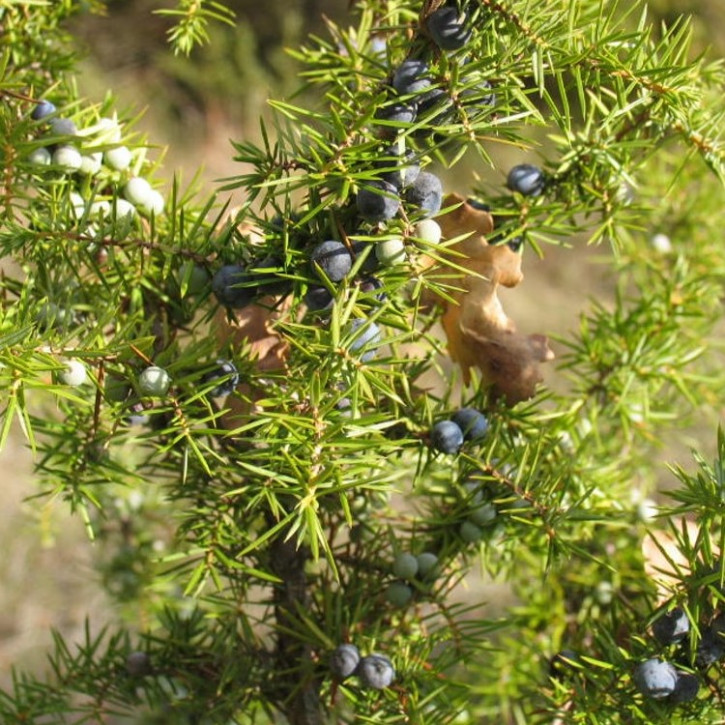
(411, 76)
(225, 371)
(426, 193)
(400, 168)
(378, 201)
(686, 689)
(268, 277)
(344, 661)
(370, 286)
(711, 647)
(376, 671)
(479, 95)
(527, 179)
(395, 113)
(369, 335)
(42, 110)
(370, 263)
(332, 259)
(476, 204)
(138, 664)
(318, 298)
(233, 286)
(473, 424)
(655, 678)
(63, 127)
(446, 436)
(448, 28)
(671, 627)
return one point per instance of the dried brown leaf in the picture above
(479, 332)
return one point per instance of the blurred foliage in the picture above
(233, 74)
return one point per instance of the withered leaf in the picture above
(479, 332)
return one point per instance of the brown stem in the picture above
(296, 682)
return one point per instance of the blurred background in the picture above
(193, 107)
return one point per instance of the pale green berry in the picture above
(40, 156)
(78, 203)
(91, 164)
(428, 230)
(154, 204)
(101, 209)
(661, 243)
(108, 130)
(68, 158)
(118, 158)
(390, 251)
(137, 190)
(647, 510)
(405, 565)
(122, 209)
(74, 373)
(154, 381)
(604, 593)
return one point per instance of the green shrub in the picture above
(321, 503)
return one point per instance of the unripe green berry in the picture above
(470, 533)
(405, 565)
(427, 564)
(90, 164)
(154, 381)
(398, 594)
(483, 515)
(428, 230)
(118, 158)
(68, 158)
(74, 373)
(390, 251)
(197, 278)
(137, 190)
(154, 204)
(40, 156)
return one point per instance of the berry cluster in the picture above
(410, 569)
(667, 677)
(467, 424)
(374, 670)
(95, 151)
